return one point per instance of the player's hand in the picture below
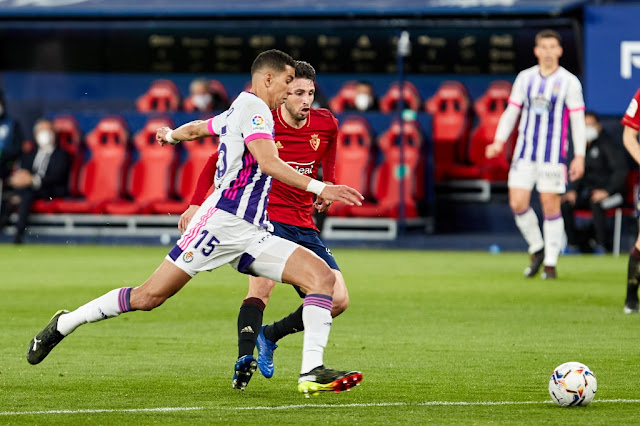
(160, 135)
(492, 150)
(576, 168)
(321, 204)
(598, 195)
(186, 217)
(342, 193)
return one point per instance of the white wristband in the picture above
(316, 186)
(169, 137)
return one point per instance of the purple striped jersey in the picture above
(240, 187)
(544, 121)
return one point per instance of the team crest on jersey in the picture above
(314, 142)
(279, 145)
(187, 257)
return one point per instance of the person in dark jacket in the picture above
(43, 173)
(604, 177)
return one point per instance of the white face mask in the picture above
(202, 101)
(45, 138)
(362, 101)
(591, 133)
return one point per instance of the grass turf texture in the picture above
(423, 326)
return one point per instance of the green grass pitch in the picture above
(442, 337)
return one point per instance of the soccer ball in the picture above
(571, 384)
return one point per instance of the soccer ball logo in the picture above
(572, 384)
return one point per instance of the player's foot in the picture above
(45, 341)
(265, 354)
(631, 306)
(243, 370)
(536, 262)
(322, 379)
(549, 273)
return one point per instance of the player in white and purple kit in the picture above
(548, 99)
(231, 227)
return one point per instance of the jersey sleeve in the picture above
(329, 158)
(257, 122)
(518, 91)
(631, 116)
(205, 181)
(574, 100)
(214, 124)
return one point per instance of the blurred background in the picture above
(418, 88)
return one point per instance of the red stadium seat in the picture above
(345, 98)
(410, 95)
(100, 178)
(69, 138)
(489, 108)
(389, 174)
(219, 94)
(451, 123)
(162, 96)
(151, 175)
(198, 153)
(353, 159)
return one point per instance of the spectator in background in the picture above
(10, 140)
(605, 171)
(206, 96)
(43, 173)
(365, 98)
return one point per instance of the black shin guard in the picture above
(249, 323)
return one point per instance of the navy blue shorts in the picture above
(306, 237)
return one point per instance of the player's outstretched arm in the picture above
(505, 127)
(266, 153)
(187, 132)
(630, 141)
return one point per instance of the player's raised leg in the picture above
(162, 284)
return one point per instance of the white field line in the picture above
(299, 406)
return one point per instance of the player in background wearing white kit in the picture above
(548, 98)
(231, 227)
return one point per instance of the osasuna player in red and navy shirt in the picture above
(631, 122)
(306, 139)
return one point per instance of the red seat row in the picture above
(163, 96)
(110, 182)
(380, 183)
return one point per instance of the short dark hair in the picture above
(273, 59)
(549, 33)
(305, 70)
(592, 114)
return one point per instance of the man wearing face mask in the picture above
(365, 99)
(43, 174)
(604, 175)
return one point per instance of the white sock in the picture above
(316, 316)
(109, 305)
(553, 229)
(529, 227)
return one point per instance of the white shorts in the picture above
(215, 238)
(546, 177)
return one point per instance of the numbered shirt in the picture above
(632, 116)
(240, 186)
(544, 122)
